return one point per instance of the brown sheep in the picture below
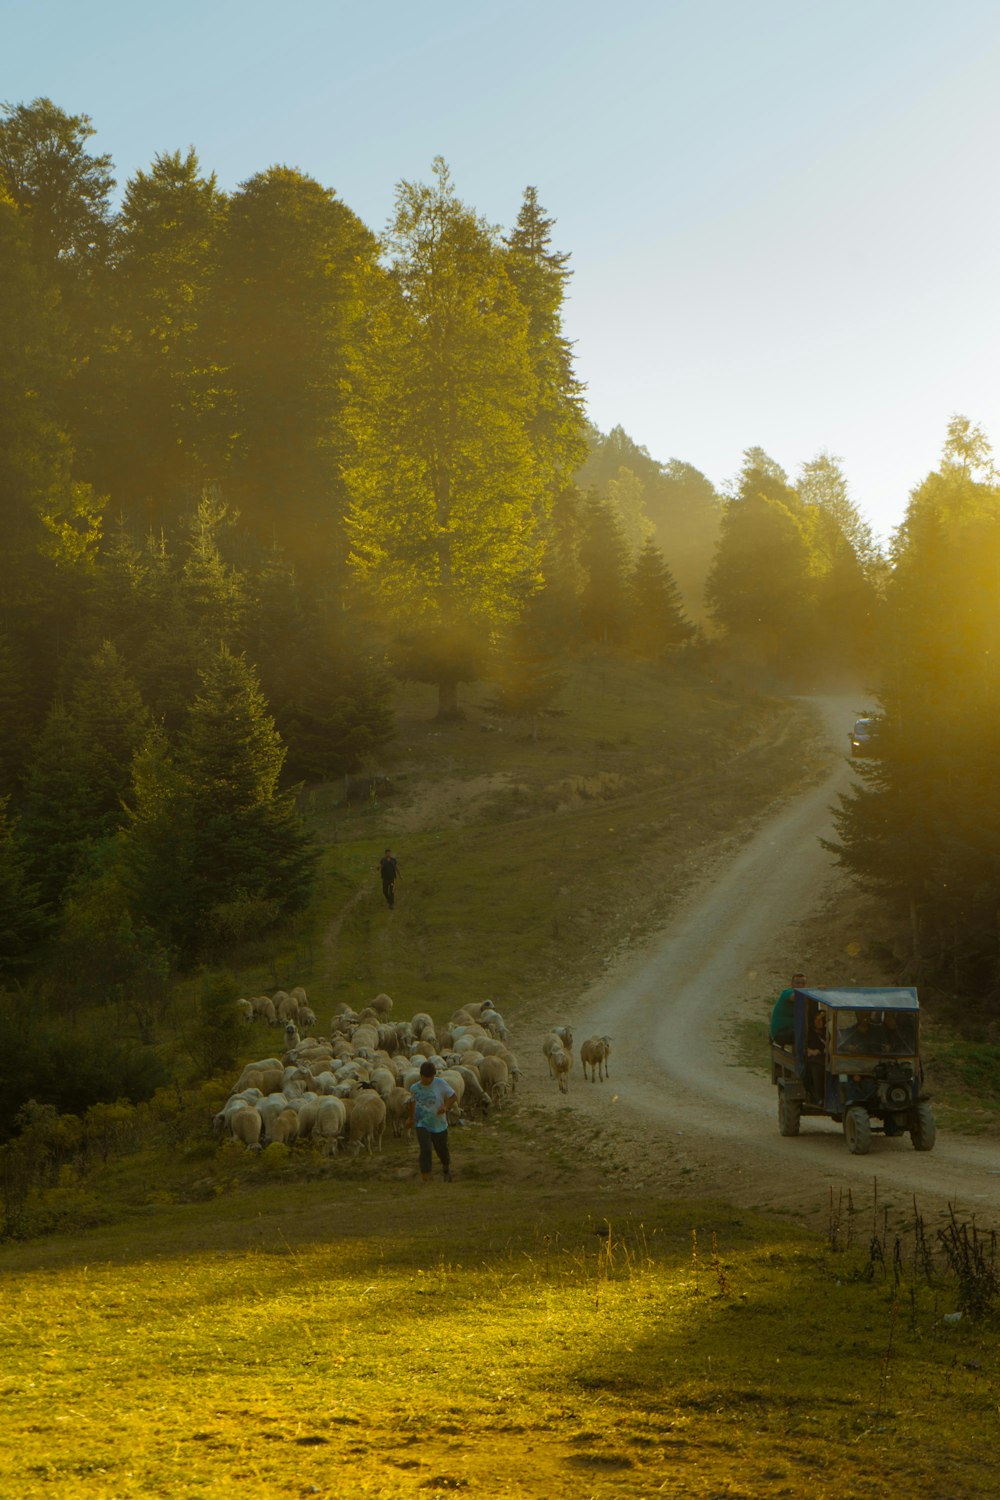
(595, 1052)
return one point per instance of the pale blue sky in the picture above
(782, 215)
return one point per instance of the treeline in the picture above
(923, 829)
(252, 460)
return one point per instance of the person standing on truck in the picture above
(816, 1035)
(783, 1014)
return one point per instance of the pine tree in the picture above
(112, 720)
(58, 823)
(15, 721)
(760, 589)
(212, 590)
(21, 920)
(540, 276)
(657, 613)
(626, 497)
(215, 851)
(604, 604)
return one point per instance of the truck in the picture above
(855, 1058)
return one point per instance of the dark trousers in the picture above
(389, 891)
(438, 1139)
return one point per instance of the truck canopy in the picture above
(864, 999)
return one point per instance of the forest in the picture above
(259, 463)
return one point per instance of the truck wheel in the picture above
(858, 1130)
(923, 1128)
(789, 1114)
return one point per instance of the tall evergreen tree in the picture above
(657, 613)
(21, 921)
(215, 851)
(58, 824)
(108, 712)
(823, 485)
(626, 496)
(540, 276)
(604, 601)
(924, 825)
(212, 589)
(760, 589)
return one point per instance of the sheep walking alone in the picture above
(594, 1052)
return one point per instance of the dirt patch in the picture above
(445, 802)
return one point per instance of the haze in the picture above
(777, 214)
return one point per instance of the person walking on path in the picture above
(431, 1097)
(389, 870)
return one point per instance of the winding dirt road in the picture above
(682, 1110)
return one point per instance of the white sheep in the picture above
(397, 1108)
(246, 1126)
(286, 1008)
(270, 1108)
(263, 1009)
(559, 1064)
(367, 1121)
(495, 1078)
(234, 1105)
(284, 1127)
(330, 1123)
(453, 1077)
(474, 1090)
(384, 1081)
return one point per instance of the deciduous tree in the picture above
(446, 488)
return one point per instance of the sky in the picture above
(782, 215)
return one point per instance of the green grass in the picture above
(481, 1344)
(581, 846)
(285, 1324)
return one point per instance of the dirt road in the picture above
(681, 1109)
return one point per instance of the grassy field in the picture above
(538, 1328)
(528, 859)
(394, 1340)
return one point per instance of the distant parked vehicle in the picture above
(863, 736)
(855, 1058)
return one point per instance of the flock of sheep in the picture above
(344, 1088)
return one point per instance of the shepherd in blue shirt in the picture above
(429, 1116)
